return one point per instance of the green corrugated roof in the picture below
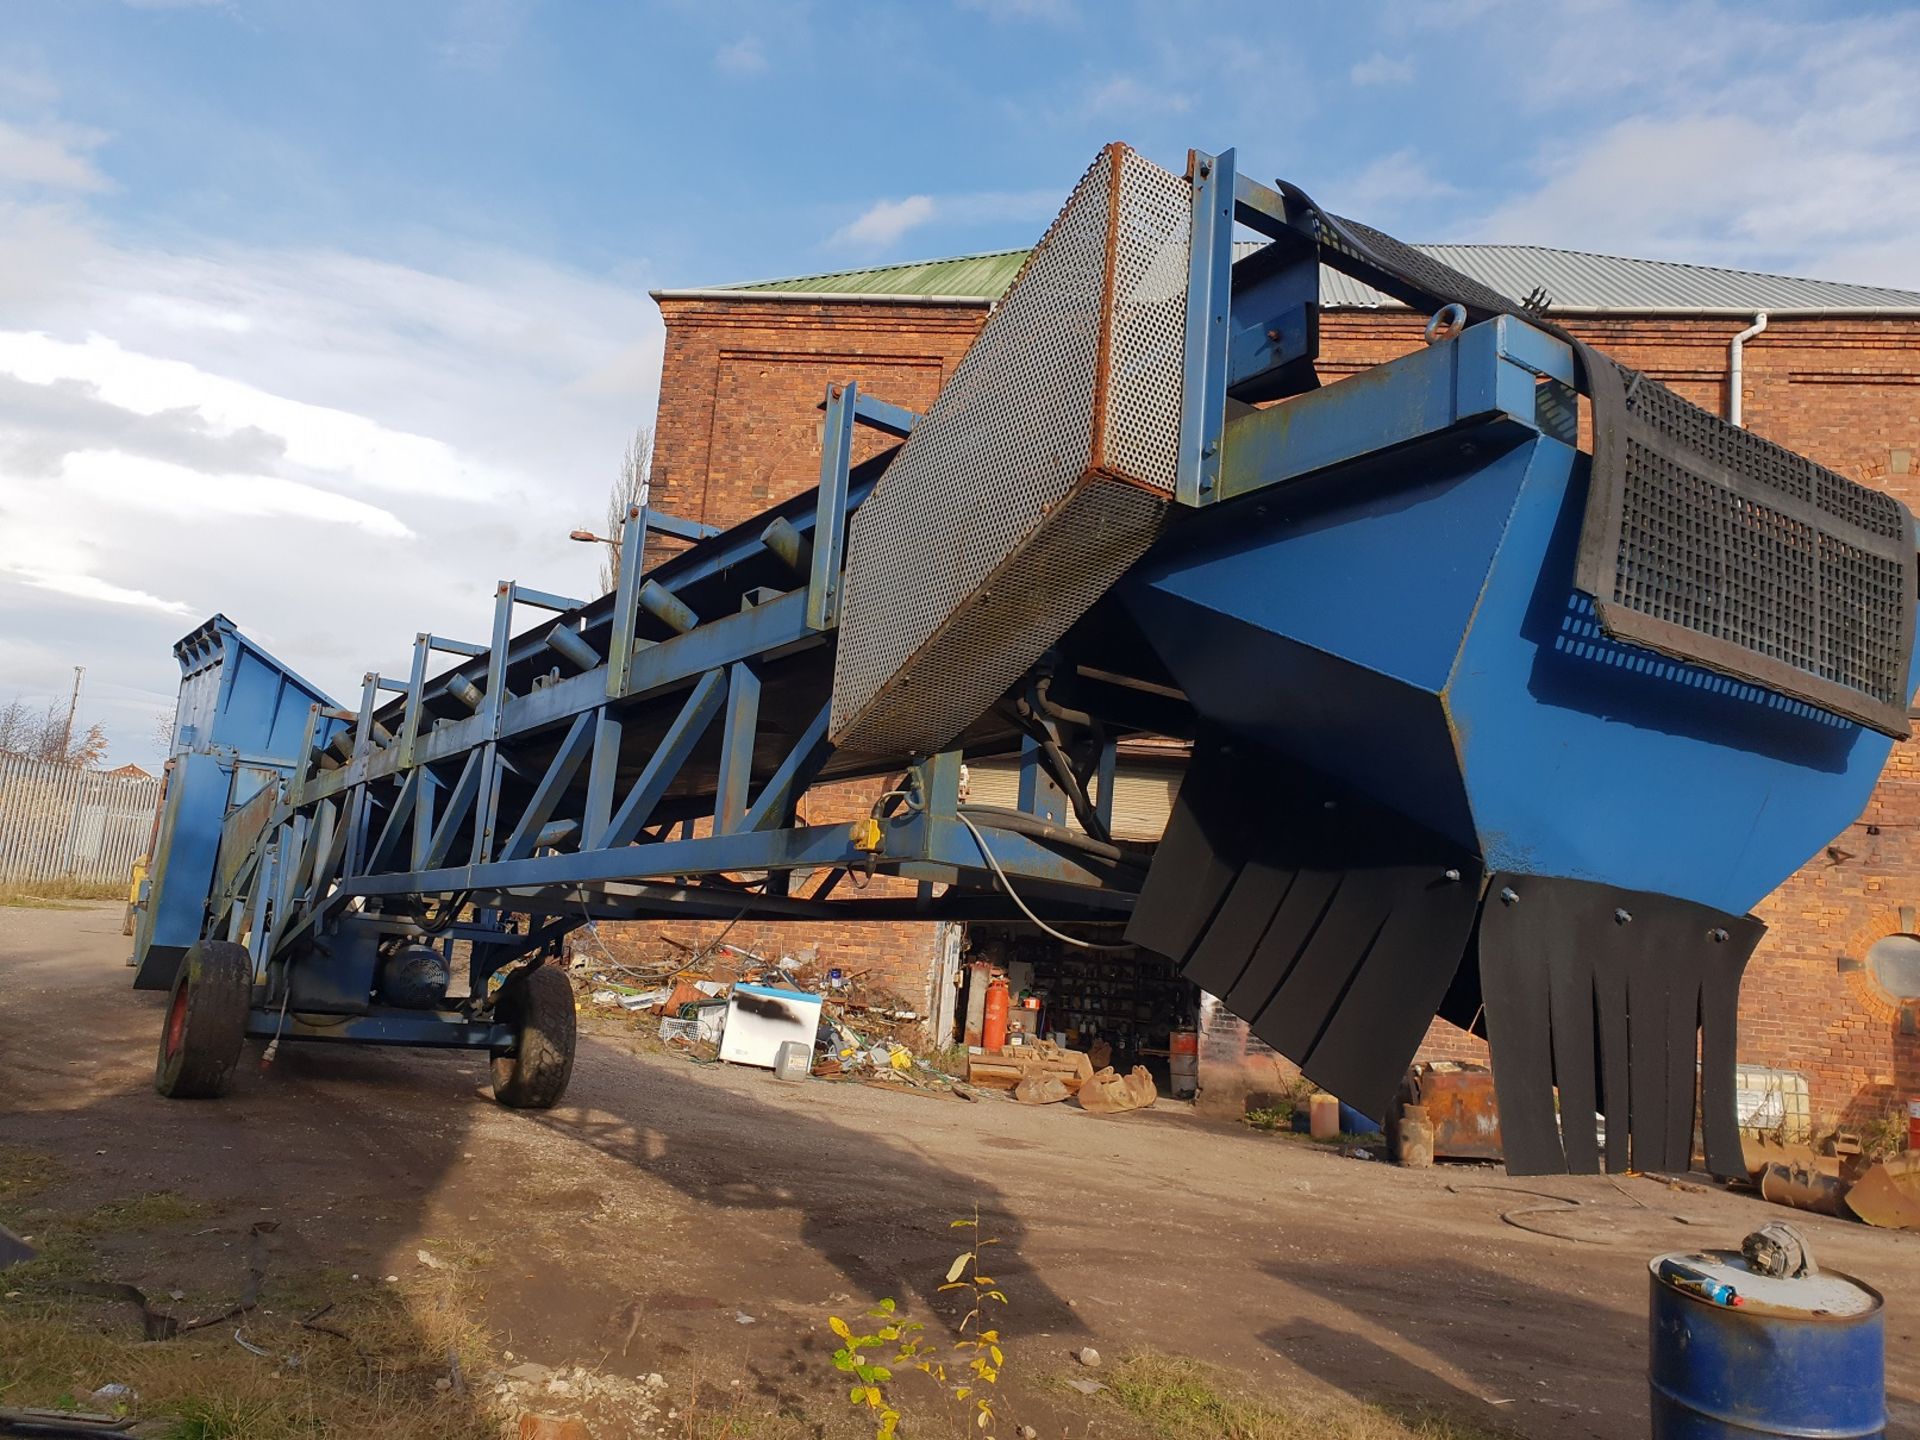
(983, 277)
(1573, 280)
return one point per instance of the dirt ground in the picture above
(700, 1223)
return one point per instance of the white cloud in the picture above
(1127, 96)
(53, 157)
(1381, 69)
(1790, 146)
(136, 483)
(884, 222)
(745, 56)
(93, 588)
(1386, 186)
(480, 33)
(361, 451)
(336, 449)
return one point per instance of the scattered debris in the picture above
(1088, 1356)
(1887, 1194)
(1086, 1387)
(430, 1260)
(115, 1394)
(1005, 1069)
(1110, 1093)
(740, 1317)
(555, 1389)
(1041, 1090)
(553, 1427)
(1803, 1187)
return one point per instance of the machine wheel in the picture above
(206, 1021)
(538, 1003)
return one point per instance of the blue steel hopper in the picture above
(1404, 634)
(1490, 717)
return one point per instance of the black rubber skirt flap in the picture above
(1610, 1008)
(1331, 925)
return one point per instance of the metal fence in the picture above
(59, 823)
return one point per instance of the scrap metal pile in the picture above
(1484, 723)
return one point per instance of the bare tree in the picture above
(162, 733)
(636, 468)
(48, 735)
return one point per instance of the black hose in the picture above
(1034, 828)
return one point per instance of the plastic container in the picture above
(793, 1061)
(1794, 1357)
(1323, 1117)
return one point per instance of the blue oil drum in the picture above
(1803, 1357)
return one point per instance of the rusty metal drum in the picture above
(1734, 1353)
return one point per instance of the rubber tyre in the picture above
(206, 1021)
(538, 1003)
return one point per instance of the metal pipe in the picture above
(570, 646)
(793, 548)
(1034, 828)
(1736, 349)
(666, 607)
(466, 692)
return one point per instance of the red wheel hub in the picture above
(177, 1021)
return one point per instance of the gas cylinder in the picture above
(993, 1030)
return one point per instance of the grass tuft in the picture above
(1182, 1399)
(24, 1173)
(148, 1211)
(204, 1386)
(55, 894)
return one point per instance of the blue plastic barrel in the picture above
(1804, 1357)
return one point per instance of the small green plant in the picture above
(1884, 1138)
(1273, 1118)
(967, 1370)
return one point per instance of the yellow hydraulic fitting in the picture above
(865, 834)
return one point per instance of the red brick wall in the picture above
(740, 387)
(739, 429)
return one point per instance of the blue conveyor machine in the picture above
(1512, 680)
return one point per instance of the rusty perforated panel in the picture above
(1042, 471)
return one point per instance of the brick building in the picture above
(1831, 370)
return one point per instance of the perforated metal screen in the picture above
(1723, 548)
(1040, 474)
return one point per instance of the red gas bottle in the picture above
(993, 1029)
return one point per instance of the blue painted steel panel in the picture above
(1383, 573)
(1769, 1366)
(241, 721)
(236, 696)
(183, 859)
(1596, 760)
(1408, 624)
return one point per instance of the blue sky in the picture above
(329, 314)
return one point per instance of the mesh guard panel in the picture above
(1705, 542)
(1040, 474)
